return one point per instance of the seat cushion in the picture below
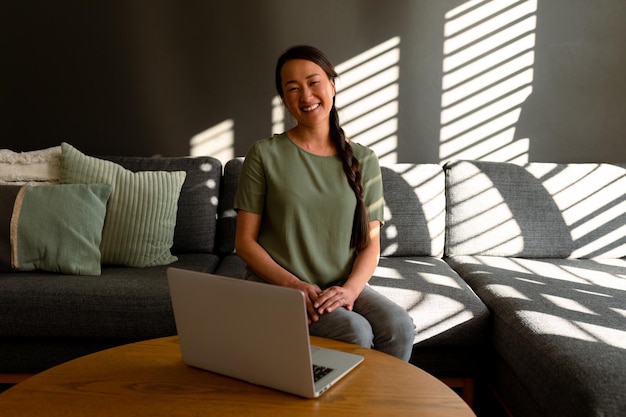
(231, 266)
(560, 327)
(132, 303)
(445, 310)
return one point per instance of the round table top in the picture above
(150, 378)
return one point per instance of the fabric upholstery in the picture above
(539, 210)
(121, 303)
(227, 220)
(42, 165)
(198, 201)
(231, 266)
(560, 326)
(141, 212)
(415, 206)
(446, 312)
(56, 228)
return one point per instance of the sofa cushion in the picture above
(126, 303)
(539, 210)
(445, 310)
(415, 207)
(141, 212)
(199, 197)
(231, 265)
(560, 326)
(55, 228)
(42, 165)
(227, 221)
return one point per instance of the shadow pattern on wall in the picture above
(487, 76)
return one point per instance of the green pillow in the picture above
(54, 228)
(141, 212)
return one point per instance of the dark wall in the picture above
(142, 77)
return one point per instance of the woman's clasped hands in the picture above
(320, 302)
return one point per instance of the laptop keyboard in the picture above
(319, 372)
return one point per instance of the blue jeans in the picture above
(375, 322)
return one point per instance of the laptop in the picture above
(252, 331)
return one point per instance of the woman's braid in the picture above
(351, 167)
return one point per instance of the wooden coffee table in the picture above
(149, 378)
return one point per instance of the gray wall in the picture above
(143, 77)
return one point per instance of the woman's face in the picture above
(307, 92)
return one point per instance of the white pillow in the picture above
(35, 166)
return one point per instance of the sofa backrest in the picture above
(227, 219)
(196, 218)
(414, 209)
(415, 206)
(539, 210)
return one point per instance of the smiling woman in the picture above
(308, 94)
(310, 207)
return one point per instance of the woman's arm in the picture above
(362, 270)
(262, 264)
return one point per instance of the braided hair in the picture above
(351, 165)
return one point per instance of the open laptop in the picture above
(252, 331)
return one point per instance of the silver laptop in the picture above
(252, 331)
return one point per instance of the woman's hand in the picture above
(335, 297)
(311, 294)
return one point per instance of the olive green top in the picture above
(307, 206)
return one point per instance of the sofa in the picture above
(544, 247)
(514, 276)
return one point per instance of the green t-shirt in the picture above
(307, 206)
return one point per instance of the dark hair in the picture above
(351, 166)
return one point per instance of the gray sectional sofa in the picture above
(515, 276)
(544, 247)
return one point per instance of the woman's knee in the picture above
(406, 327)
(360, 331)
(393, 327)
(345, 326)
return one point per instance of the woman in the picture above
(310, 207)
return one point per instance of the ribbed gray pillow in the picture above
(199, 199)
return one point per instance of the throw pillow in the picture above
(41, 165)
(54, 228)
(198, 201)
(141, 212)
